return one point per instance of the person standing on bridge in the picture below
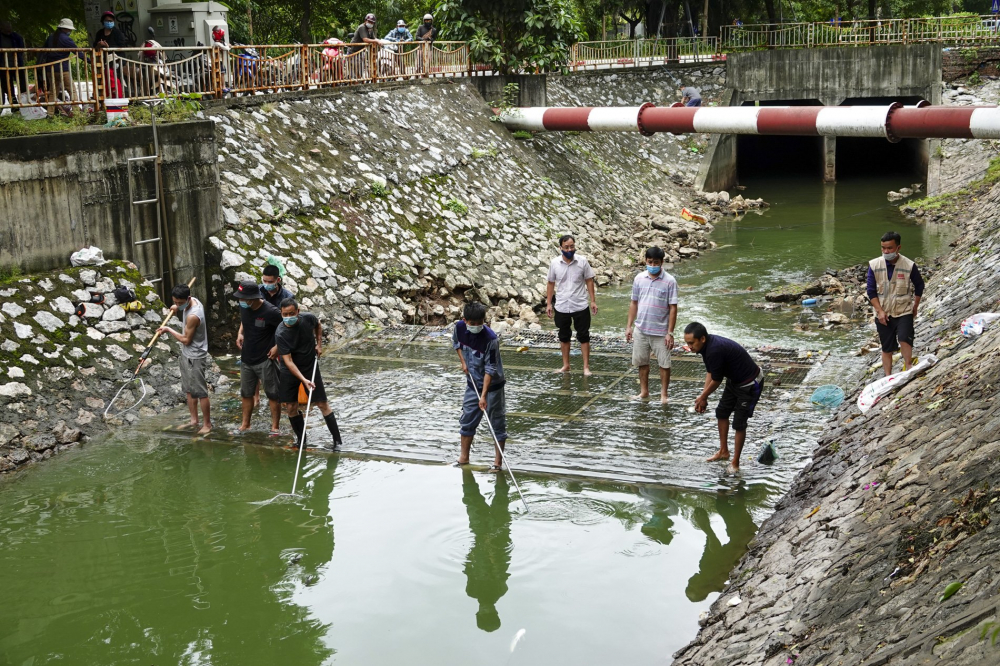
(690, 96)
(653, 312)
(575, 278)
(894, 289)
(726, 359)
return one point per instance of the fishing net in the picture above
(830, 395)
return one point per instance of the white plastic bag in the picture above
(88, 256)
(878, 390)
(974, 325)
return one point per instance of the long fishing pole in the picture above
(142, 359)
(305, 422)
(496, 441)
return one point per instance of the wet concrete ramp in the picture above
(399, 393)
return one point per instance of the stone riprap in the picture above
(396, 205)
(961, 160)
(59, 370)
(896, 506)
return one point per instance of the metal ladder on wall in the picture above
(156, 200)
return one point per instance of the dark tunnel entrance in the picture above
(854, 158)
(780, 155)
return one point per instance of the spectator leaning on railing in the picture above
(11, 66)
(400, 34)
(427, 32)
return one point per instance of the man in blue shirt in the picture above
(274, 291)
(894, 289)
(12, 75)
(478, 350)
(58, 78)
(726, 359)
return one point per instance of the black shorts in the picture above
(288, 385)
(580, 321)
(739, 399)
(899, 329)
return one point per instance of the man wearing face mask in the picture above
(365, 34)
(258, 354)
(194, 354)
(427, 32)
(400, 34)
(574, 277)
(894, 289)
(274, 291)
(653, 312)
(478, 350)
(299, 339)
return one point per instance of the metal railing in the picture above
(642, 52)
(944, 30)
(57, 79)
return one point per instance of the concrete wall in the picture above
(531, 88)
(833, 75)
(61, 192)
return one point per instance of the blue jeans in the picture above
(693, 102)
(496, 409)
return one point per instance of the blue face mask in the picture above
(653, 270)
(475, 330)
(290, 321)
(109, 24)
(244, 304)
(569, 254)
(271, 286)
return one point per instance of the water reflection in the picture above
(718, 559)
(488, 563)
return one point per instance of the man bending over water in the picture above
(725, 359)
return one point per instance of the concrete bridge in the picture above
(828, 76)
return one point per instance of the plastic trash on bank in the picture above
(830, 395)
(883, 387)
(88, 256)
(977, 323)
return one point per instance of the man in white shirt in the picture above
(575, 280)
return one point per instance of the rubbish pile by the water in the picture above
(878, 390)
(977, 323)
(829, 395)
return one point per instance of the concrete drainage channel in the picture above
(397, 393)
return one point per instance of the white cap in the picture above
(65, 24)
(400, 23)
(428, 17)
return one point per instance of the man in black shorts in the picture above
(299, 339)
(894, 289)
(571, 281)
(725, 359)
(258, 354)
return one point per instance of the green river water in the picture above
(151, 548)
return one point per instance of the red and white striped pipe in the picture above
(892, 122)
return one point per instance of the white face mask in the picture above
(890, 256)
(475, 330)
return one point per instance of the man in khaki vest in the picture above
(894, 289)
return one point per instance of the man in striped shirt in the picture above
(651, 319)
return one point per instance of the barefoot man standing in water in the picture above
(194, 354)
(575, 279)
(725, 359)
(653, 312)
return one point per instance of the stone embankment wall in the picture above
(68, 190)
(896, 506)
(396, 205)
(58, 370)
(959, 161)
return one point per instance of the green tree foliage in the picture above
(37, 20)
(513, 35)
